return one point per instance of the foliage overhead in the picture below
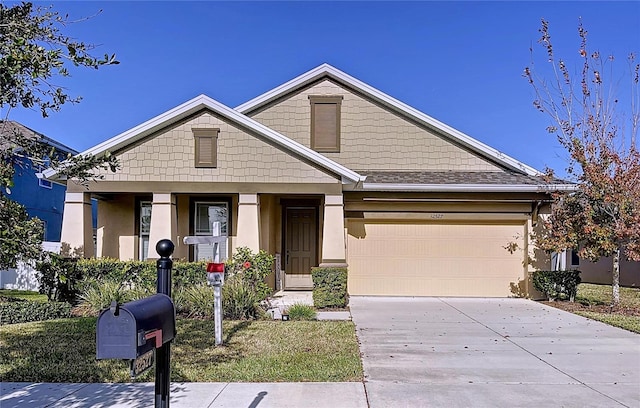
(34, 52)
(596, 122)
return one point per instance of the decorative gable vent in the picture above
(206, 147)
(325, 123)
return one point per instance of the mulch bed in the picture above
(579, 307)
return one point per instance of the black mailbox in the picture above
(132, 329)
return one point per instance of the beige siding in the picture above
(116, 228)
(169, 157)
(433, 259)
(372, 138)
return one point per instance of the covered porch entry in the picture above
(302, 230)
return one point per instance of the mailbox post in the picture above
(143, 329)
(164, 248)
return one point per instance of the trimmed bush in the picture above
(329, 287)
(27, 311)
(139, 274)
(301, 311)
(557, 284)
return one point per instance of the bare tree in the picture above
(597, 123)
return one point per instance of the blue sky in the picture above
(459, 62)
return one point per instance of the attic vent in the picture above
(325, 123)
(206, 143)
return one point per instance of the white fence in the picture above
(25, 276)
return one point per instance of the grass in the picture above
(591, 294)
(262, 351)
(594, 301)
(22, 295)
(631, 323)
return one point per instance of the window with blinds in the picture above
(325, 123)
(206, 143)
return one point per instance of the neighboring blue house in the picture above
(41, 198)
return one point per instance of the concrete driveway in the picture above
(451, 352)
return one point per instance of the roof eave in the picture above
(479, 188)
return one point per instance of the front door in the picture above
(300, 247)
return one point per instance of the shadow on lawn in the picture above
(63, 351)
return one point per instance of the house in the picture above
(600, 272)
(323, 170)
(40, 197)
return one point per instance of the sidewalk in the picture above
(185, 395)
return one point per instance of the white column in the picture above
(164, 221)
(77, 225)
(333, 243)
(248, 234)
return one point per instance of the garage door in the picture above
(404, 259)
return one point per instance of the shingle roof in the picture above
(9, 127)
(450, 177)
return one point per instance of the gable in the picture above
(168, 155)
(371, 136)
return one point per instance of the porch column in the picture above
(248, 234)
(77, 225)
(164, 221)
(333, 244)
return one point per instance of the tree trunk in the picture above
(615, 285)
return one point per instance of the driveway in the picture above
(452, 352)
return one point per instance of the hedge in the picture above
(29, 311)
(329, 287)
(140, 274)
(557, 284)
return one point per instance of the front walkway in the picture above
(452, 352)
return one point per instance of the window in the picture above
(206, 143)
(325, 123)
(575, 259)
(145, 229)
(211, 219)
(44, 182)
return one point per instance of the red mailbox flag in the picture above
(215, 267)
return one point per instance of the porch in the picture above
(302, 230)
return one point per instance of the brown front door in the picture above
(300, 247)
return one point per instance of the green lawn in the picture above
(22, 295)
(591, 294)
(264, 351)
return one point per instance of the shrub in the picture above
(188, 273)
(240, 300)
(252, 269)
(98, 295)
(197, 301)
(329, 287)
(301, 311)
(27, 311)
(557, 284)
(58, 277)
(140, 274)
